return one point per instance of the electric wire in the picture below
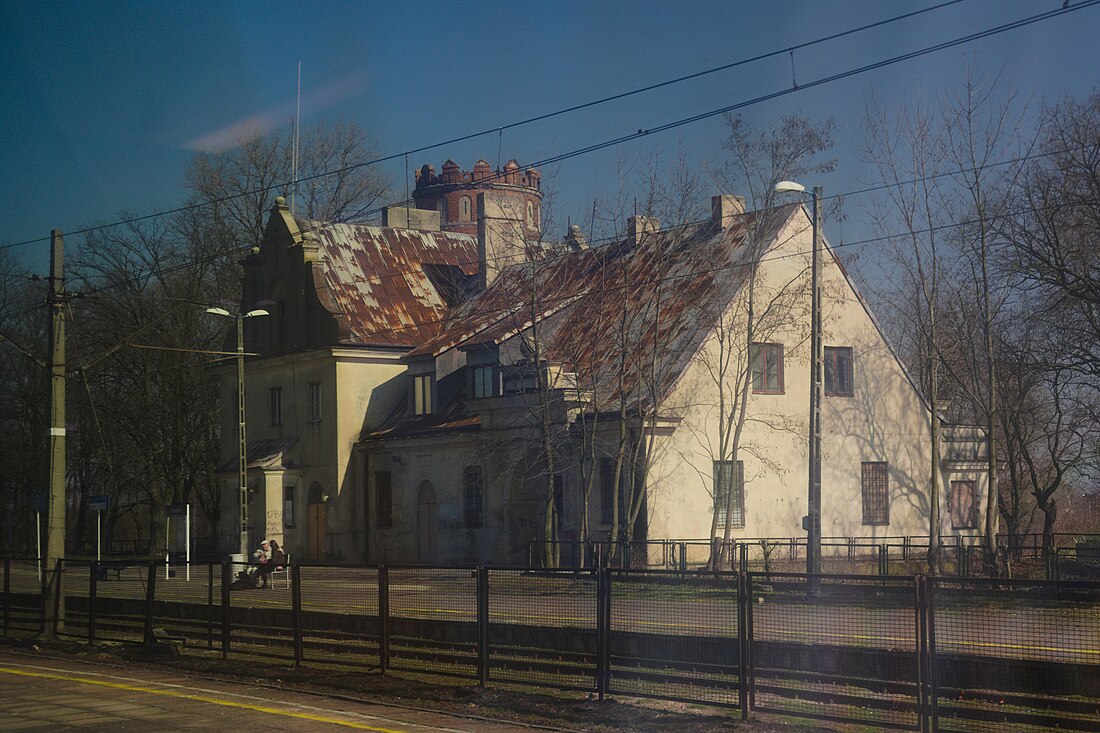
(511, 125)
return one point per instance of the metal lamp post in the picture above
(812, 522)
(242, 472)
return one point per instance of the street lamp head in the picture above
(786, 186)
(218, 311)
(255, 313)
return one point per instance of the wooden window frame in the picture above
(422, 388)
(477, 373)
(831, 354)
(765, 349)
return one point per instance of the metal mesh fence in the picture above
(542, 627)
(340, 623)
(1015, 655)
(432, 620)
(675, 636)
(261, 618)
(186, 604)
(22, 612)
(121, 592)
(840, 647)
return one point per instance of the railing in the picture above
(899, 651)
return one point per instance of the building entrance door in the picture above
(425, 522)
(317, 524)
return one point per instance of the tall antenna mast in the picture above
(294, 150)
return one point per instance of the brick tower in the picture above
(453, 193)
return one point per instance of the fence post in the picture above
(743, 560)
(93, 578)
(482, 625)
(383, 619)
(920, 590)
(210, 605)
(7, 594)
(743, 643)
(603, 619)
(226, 608)
(296, 605)
(883, 560)
(750, 639)
(683, 557)
(933, 691)
(150, 596)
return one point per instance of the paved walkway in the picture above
(56, 695)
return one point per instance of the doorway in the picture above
(317, 524)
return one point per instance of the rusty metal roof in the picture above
(625, 317)
(376, 280)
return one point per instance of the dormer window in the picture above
(422, 394)
(484, 381)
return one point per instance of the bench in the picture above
(284, 570)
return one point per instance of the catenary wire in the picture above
(641, 133)
(511, 125)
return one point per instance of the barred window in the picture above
(727, 478)
(383, 497)
(964, 505)
(838, 371)
(472, 483)
(876, 493)
(766, 363)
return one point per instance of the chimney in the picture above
(500, 240)
(725, 209)
(638, 226)
(404, 217)
(575, 239)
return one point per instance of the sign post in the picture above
(39, 508)
(99, 503)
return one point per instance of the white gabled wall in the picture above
(884, 420)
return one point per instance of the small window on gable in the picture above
(464, 208)
(838, 371)
(422, 394)
(766, 363)
(275, 395)
(964, 505)
(876, 492)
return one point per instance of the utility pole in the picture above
(52, 599)
(813, 545)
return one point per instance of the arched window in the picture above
(530, 214)
(441, 206)
(464, 208)
(538, 216)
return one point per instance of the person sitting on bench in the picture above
(262, 558)
(276, 558)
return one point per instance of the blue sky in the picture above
(104, 103)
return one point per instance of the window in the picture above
(464, 208)
(876, 495)
(484, 382)
(288, 506)
(538, 215)
(422, 394)
(530, 214)
(607, 489)
(472, 491)
(441, 207)
(964, 505)
(383, 498)
(725, 480)
(559, 497)
(276, 395)
(767, 368)
(838, 371)
(315, 402)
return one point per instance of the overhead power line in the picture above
(497, 130)
(1013, 25)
